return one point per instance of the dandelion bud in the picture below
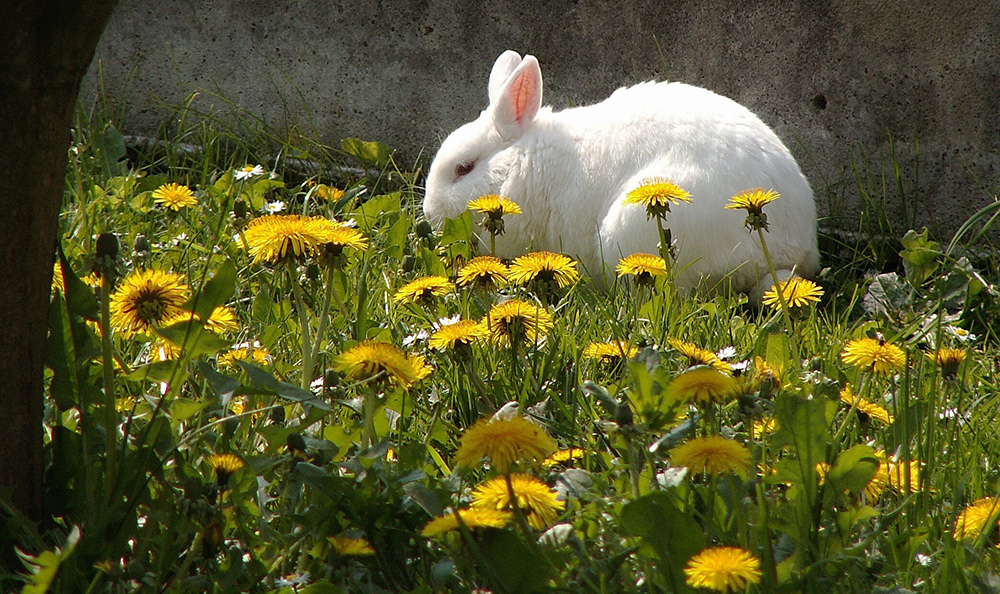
(423, 229)
(107, 246)
(141, 245)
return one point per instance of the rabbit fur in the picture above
(570, 170)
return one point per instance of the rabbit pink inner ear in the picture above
(502, 68)
(519, 99)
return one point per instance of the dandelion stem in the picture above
(778, 291)
(300, 309)
(110, 413)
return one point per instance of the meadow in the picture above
(267, 373)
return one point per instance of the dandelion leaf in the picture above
(513, 562)
(672, 534)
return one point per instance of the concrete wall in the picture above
(835, 79)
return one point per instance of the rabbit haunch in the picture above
(570, 171)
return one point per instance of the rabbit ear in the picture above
(502, 68)
(518, 99)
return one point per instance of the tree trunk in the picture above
(46, 48)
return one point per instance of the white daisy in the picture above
(273, 207)
(248, 171)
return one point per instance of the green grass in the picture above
(128, 444)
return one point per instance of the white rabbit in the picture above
(570, 170)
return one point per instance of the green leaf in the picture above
(192, 337)
(370, 214)
(370, 153)
(318, 478)
(425, 498)
(110, 146)
(920, 257)
(396, 238)
(261, 379)
(673, 534)
(80, 298)
(513, 562)
(432, 262)
(45, 566)
(853, 469)
(216, 292)
(456, 236)
(158, 371)
(221, 384)
(182, 409)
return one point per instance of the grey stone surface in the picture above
(835, 79)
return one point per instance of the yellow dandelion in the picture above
(544, 267)
(503, 442)
(713, 454)
(459, 335)
(483, 272)
(534, 498)
(643, 266)
(338, 238)
(874, 355)
(797, 292)
(891, 474)
(275, 238)
(610, 352)
(865, 408)
(378, 360)
(174, 196)
(249, 353)
(423, 290)
(495, 206)
(978, 517)
(656, 194)
(351, 547)
(328, 193)
(238, 405)
(564, 457)
(763, 427)
(702, 386)
(221, 320)
(224, 465)
(517, 320)
(770, 375)
(752, 200)
(147, 298)
(948, 360)
(723, 569)
(472, 518)
(699, 356)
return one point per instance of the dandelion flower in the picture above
(147, 298)
(251, 353)
(643, 266)
(702, 385)
(948, 360)
(370, 359)
(221, 320)
(544, 267)
(978, 517)
(484, 272)
(458, 335)
(865, 408)
(472, 518)
(534, 498)
(504, 441)
(713, 454)
(423, 290)
(723, 569)
(174, 196)
(699, 356)
(248, 171)
(517, 320)
(495, 206)
(753, 202)
(274, 238)
(656, 194)
(763, 427)
(224, 465)
(351, 547)
(328, 193)
(610, 352)
(874, 355)
(797, 292)
(563, 457)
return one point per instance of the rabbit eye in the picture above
(464, 168)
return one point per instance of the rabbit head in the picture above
(476, 159)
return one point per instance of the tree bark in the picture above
(46, 48)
